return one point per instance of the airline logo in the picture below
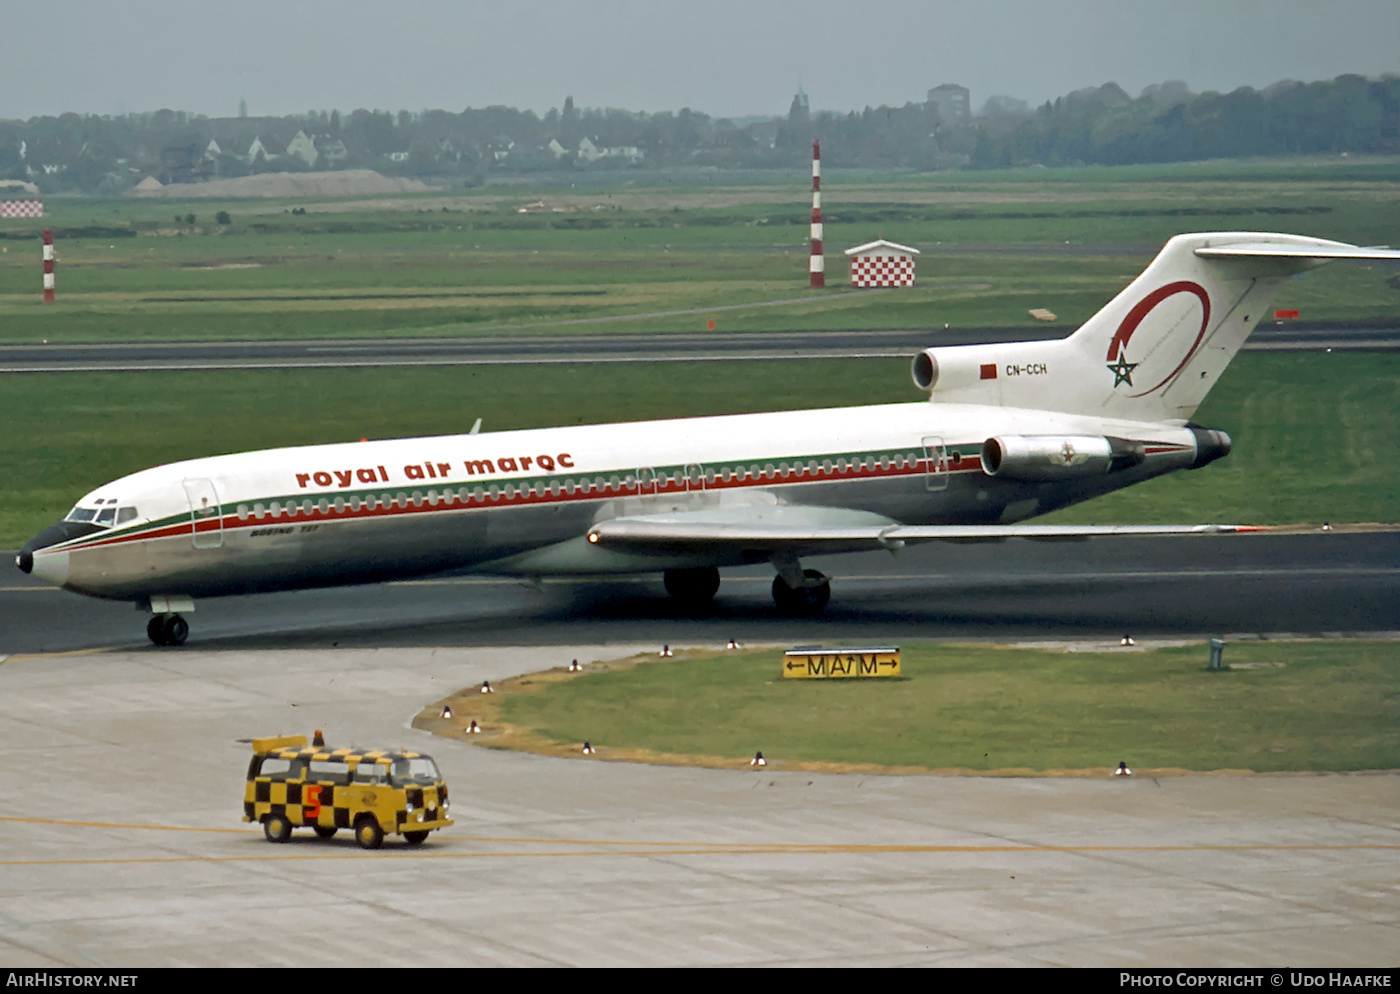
(1118, 363)
(431, 470)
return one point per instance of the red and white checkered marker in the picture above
(817, 263)
(48, 265)
(882, 263)
(882, 270)
(21, 208)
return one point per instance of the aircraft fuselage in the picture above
(518, 502)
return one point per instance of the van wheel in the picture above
(324, 831)
(368, 833)
(277, 828)
(415, 838)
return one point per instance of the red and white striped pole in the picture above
(48, 265)
(817, 264)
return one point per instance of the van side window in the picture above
(274, 768)
(371, 773)
(327, 770)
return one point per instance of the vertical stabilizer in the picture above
(1156, 349)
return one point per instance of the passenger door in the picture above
(206, 517)
(935, 463)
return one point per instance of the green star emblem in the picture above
(1122, 370)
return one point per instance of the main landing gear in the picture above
(693, 587)
(168, 629)
(796, 591)
(807, 596)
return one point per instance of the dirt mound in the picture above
(343, 183)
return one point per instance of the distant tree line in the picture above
(1167, 124)
(1104, 125)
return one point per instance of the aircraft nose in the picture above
(51, 566)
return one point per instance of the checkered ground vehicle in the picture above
(371, 791)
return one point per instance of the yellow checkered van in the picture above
(372, 792)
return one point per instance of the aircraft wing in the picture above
(816, 531)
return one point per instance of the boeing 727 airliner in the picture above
(1009, 431)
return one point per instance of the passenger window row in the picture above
(629, 483)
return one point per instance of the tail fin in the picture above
(1156, 349)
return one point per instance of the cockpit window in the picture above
(125, 514)
(106, 515)
(81, 514)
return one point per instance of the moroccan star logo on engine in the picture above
(1122, 370)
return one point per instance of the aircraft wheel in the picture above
(277, 828)
(168, 629)
(692, 586)
(368, 833)
(807, 599)
(325, 831)
(177, 629)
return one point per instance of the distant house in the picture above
(590, 152)
(303, 148)
(212, 151)
(333, 150)
(398, 156)
(255, 150)
(557, 150)
(500, 147)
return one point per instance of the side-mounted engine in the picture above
(1059, 457)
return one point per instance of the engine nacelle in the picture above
(1058, 457)
(924, 369)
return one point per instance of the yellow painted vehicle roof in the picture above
(295, 747)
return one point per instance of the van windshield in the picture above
(420, 770)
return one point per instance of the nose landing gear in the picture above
(168, 629)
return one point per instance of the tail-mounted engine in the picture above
(1058, 457)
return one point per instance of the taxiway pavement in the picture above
(1313, 584)
(121, 844)
(554, 348)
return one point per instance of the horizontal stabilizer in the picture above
(1285, 250)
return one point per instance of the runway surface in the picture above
(1315, 583)
(121, 844)
(593, 348)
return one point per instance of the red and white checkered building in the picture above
(882, 263)
(21, 208)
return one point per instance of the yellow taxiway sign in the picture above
(822, 663)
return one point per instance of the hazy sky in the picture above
(724, 57)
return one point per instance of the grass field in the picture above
(468, 262)
(1317, 437)
(1293, 706)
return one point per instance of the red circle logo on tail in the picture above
(1117, 346)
